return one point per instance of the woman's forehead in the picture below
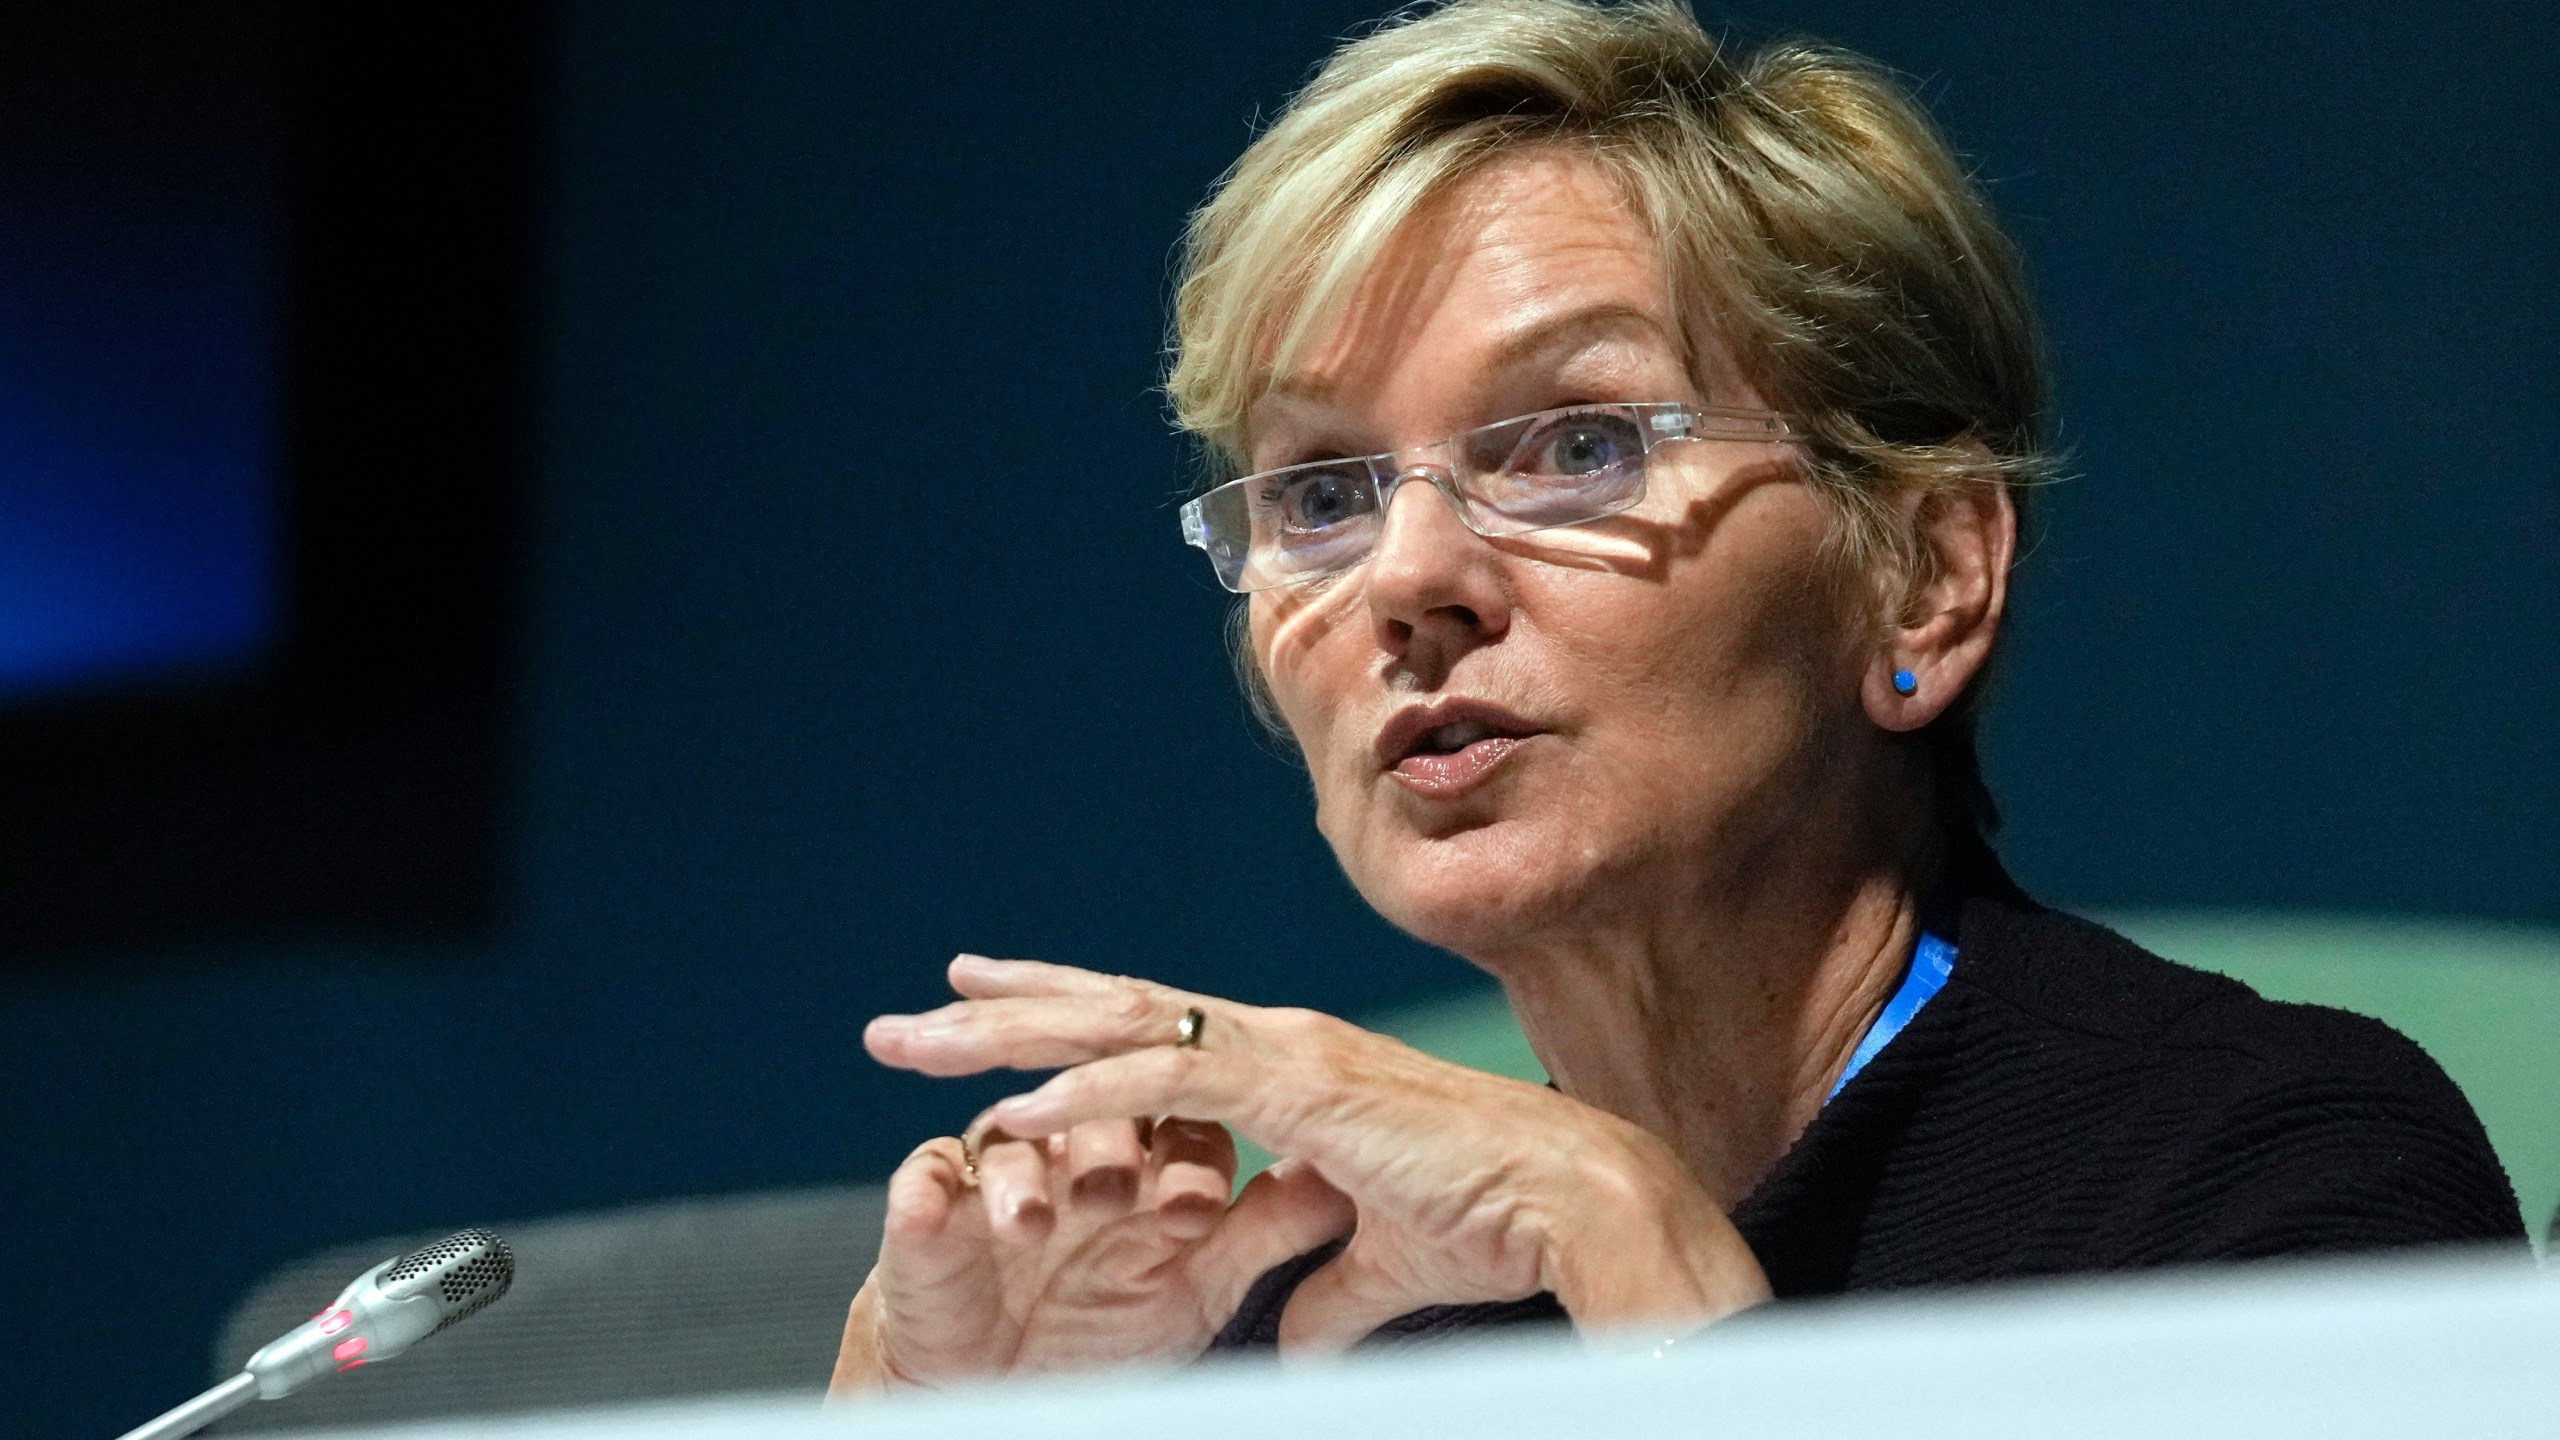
(1600, 344)
(1524, 264)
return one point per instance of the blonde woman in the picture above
(1627, 446)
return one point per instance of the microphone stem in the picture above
(203, 1410)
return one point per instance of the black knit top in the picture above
(2071, 1103)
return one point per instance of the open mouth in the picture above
(1449, 747)
(1458, 735)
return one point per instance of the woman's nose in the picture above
(1431, 580)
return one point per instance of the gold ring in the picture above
(974, 1146)
(1186, 1031)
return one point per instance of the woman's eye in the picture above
(1320, 499)
(1581, 445)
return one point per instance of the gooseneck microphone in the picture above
(389, 1308)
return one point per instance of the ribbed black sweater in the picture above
(2070, 1103)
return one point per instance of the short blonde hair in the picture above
(1806, 208)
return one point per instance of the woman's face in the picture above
(1517, 738)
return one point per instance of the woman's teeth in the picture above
(1449, 739)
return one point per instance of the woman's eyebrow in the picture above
(1540, 339)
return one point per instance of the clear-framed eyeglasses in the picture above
(1532, 472)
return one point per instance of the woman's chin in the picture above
(1477, 893)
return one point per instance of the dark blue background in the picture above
(858, 632)
(139, 325)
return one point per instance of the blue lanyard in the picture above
(1931, 961)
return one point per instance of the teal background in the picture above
(812, 699)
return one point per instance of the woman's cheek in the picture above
(1346, 801)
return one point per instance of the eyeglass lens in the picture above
(1559, 467)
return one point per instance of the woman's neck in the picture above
(1722, 1029)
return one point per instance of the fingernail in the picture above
(891, 1025)
(1106, 1189)
(1188, 1217)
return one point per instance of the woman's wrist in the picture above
(1640, 1244)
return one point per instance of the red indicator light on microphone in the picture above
(349, 1349)
(338, 1320)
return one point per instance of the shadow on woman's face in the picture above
(1642, 546)
(1519, 736)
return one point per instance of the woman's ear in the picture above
(1930, 653)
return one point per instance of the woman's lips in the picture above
(1450, 745)
(1442, 775)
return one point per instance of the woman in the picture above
(1631, 448)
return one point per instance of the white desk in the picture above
(2449, 1348)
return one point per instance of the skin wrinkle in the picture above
(1586, 342)
(1650, 938)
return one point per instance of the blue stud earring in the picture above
(1905, 683)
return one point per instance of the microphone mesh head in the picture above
(466, 1270)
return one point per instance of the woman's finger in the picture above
(1013, 1185)
(1283, 1213)
(1339, 1305)
(1028, 1032)
(982, 977)
(932, 1229)
(1195, 1172)
(1157, 1080)
(1105, 1162)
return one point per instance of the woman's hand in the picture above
(1461, 1186)
(1102, 1244)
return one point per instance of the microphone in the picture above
(386, 1310)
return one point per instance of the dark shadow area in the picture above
(341, 771)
